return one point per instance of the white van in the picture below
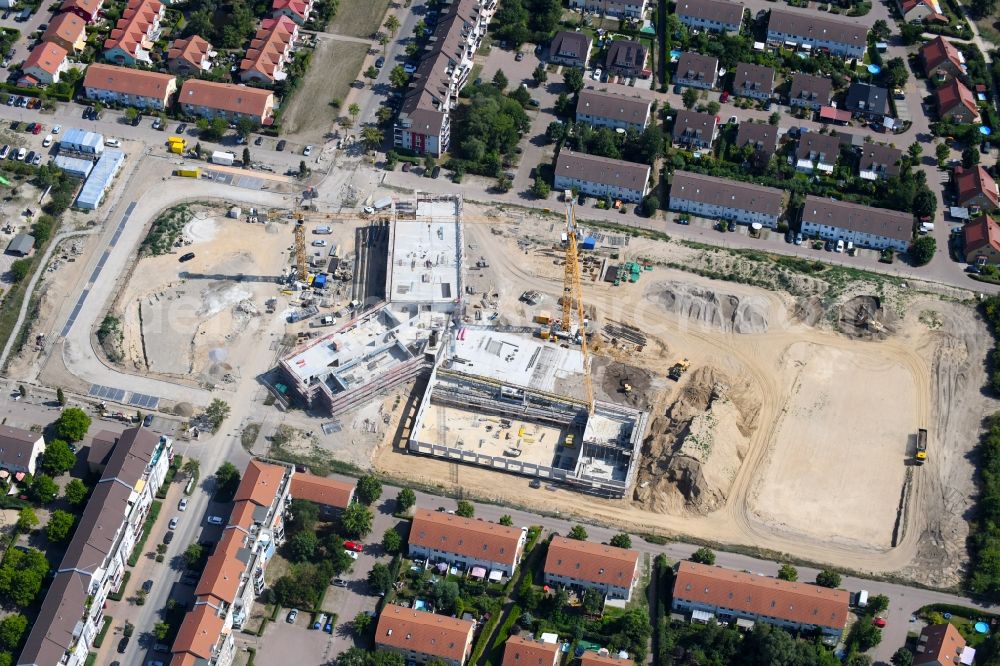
(112, 143)
(47, 141)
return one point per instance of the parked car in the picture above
(798, 239)
(879, 622)
(328, 627)
(319, 243)
(339, 582)
(597, 74)
(519, 57)
(353, 545)
(259, 140)
(320, 621)
(21, 153)
(147, 420)
(147, 586)
(307, 151)
(182, 505)
(409, 68)
(379, 62)
(168, 537)
(436, 172)
(47, 141)
(37, 129)
(4, 152)
(30, 157)
(351, 554)
(406, 166)
(123, 645)
(158, 124)
(724, 97)
(732, 226)
(280, 146)
(173, 523)
(37, 159)
(292, 614)
(840, 246)
(186, 257)
(214, 520)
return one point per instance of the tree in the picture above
(405, 499)
(354, 656)
(504, 183)
(303, 169)
(227, 479)
(21, 575)
(72, 424)
(902, 657)
(27, 519)
(58, 458)
(539, 76)
(337, 556)
(788, 572)
(445, 594)
(774, 119)
(942, 152)
(924, 203)
(59, 526)
(922, 250)
(391, 541)
(858, 659)
(361, 622)
(131, 114)
(689, 98)
(896, 73)
(429, 163)
(354, 110)
(75, 492)
(22, 390)
(160, 631)
(650, 205)
(245, 127)
(20, 269)
(43, 489)
(970, 157)
(555, 131)
(369, 489)
(828, 578)
(356, 521)
(540, 188)
(500, 80)
(577, 532)
(465, 509)
(982, 8)
(246, 158)
(878, 604)
(506, 520)
(703, 556)
(60, 397)
(881, 30)
(371, 137)
(621, 540)
(573, 78)
(866, 634)
(302, 547)
(712, 108)
(193, 555)
(12, 628)
(398, 77)
(915, 151)
(380, 578)
(217, 412)
(391, 24)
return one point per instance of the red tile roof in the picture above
(223, 571)
(593, 562)
(954, 93)
(132, 27)
(981, 233)
(66, 27)
(130, 81)
(590, 658)
(465, 536)
(321, 490)
(46, 56)
(976, 181)
(226, 97)
(522, 651)
(297, 7)
(423, 632)
(88, 7)
(267, 50)
(199, 632)
(938, 51)
(192, 50)
(260, 483)
(760, 595)
(939, 645)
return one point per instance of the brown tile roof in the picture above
(593, 562)
(192, 50)
(184, 659)
(570, 44)
(938, 51)
(46, 56)
(95, 535)
(522, 651)
(812, 88)
(16, 446)
(224, 569)
(199, 632)
(465, 536)
(753, 78)
(67, 27)
(693, 124)
(760, 595)
(981, 233)
(128, 80)
(615, 107)
(877, 155)
(226, 97)
(131, 455)
(591, 658)
(953, 93)
(976, 181)
(723, 11)
(729, 193)
(260, 483)
(89, 7)
(818, 145)
(697, 67)
(604, 170)
(100, 447)
(427, 633)
(863, 219)
(52, 631)
(266, 54)
(810, 25)
(626, 53)
(761, 135)
(939, 645)
(321, 490)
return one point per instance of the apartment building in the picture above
(420, 636)
(810, 91)
(19, 450)
(134, 35)
(817, 151)
(68, 30)
(956, 103)
(603, 109)
(296, 10)
(722, 199)
(88, 10)
(876, 228)
(444, 537)
(695, 70)
(330, 495)
(234, 574)
(424, 124)
(269, 51)
(72, 612)
(976, 188)
(626, 58)
(601, 176)
(763, 137)
(878, 161)
(693, 129)
(526, 651)
(810, 31)
(941, 60)
(753, 81)
(189, 56)
(226, 100)
(593, 566)
(981, 241)
(942, 645)
(45, 64)
(570, 48)
(708, 592)
(714, 15)
(137, 88)
(614, 8)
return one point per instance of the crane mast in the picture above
(573, 298)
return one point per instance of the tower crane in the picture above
(573, 298)
(301, 265)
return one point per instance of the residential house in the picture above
(981, 241)
(99, 450)
(68, 31)
(626, 58)
(233, 576)
(591, 658)
(129, 87)
(720, 198)
(22, 245)
(831, 114)
(592, 566)
(714, 15)
(45, 63)
(190, 56)
(329, 494)
(72, 613)
(270, 50)
(693, 129)
(811, 31)
(876, 228)
(616, 8)
(921, 11)
(570, 48)
(19, 449)
(976, 187)
(941, 60)
(88, 10)
(132, 38)
(603, 109)
(226, 100)
(956, 103)
(526, 651)
(420, 636)
(443, 537)
(696, 70)
(297, 10)
(709, 592)
(601, 176)
(763, 137)
(942, 645)
(878, 161)
(868, 101)
(754, 81)
(817, 151)
(810, 91)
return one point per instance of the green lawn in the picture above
(358, 19)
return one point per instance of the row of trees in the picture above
(520, 21)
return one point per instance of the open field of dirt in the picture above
(358, 19)
(333, 68)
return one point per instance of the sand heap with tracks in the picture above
(725, 312)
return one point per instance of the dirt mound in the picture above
(610, 377)
(864, 317)
(693, 452)
(725, 312)
(808, 310)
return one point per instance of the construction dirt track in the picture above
(817, 421)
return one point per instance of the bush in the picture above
(704, 556)
(20, 269)
(922, 250)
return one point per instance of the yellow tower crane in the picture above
(573, 298)
(301, 265)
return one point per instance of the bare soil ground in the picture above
(358, 19)
(334, 66)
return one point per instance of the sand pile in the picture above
(694, 452)
(200, 229)
(865, 317)
(724, 312)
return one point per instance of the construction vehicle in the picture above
(678, 369)
(626, 387)
(568, 442)
(921, 456)
(328, 320)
